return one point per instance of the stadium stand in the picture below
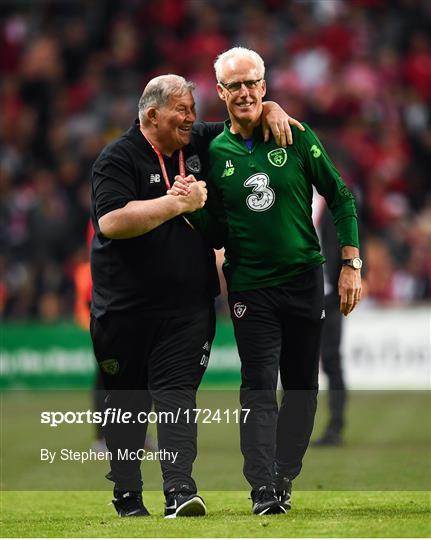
(72, 72)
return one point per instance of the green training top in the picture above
(264, 197)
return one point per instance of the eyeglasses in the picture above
(236, 86)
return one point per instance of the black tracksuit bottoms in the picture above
(153, 359)
(278, 330)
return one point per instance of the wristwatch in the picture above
(355, 263)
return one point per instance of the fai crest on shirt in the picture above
(110, 366)
(193, 164)
(277, 157)
(239, 309)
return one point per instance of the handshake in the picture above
(191, 193)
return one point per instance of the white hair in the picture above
(238, 52)
(159, 91)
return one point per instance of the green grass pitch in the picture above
(314, 514)
(377, 485)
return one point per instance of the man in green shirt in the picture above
(262, 196)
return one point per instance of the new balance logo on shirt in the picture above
(229, 169)
(154, 178)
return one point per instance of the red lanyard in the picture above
(164, 171)
(162, 162)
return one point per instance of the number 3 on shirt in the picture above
(263, 196)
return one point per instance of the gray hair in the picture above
(238, 52)
(159, 91)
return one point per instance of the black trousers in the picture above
(278, 329)
(146, 360)
(99, 396)
(331, 363)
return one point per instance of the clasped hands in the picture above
(191, 192)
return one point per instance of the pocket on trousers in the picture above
(101, 336)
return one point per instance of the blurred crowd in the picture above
(71, 72)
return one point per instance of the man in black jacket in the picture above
(154, 282)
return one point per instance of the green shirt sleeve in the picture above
(329, 184)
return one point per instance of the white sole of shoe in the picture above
(193, 507)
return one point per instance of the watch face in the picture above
(357, 263)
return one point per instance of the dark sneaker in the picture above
(184, 502)
(265, 502)
(283, 490)
(129, 504)
(330, 438)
